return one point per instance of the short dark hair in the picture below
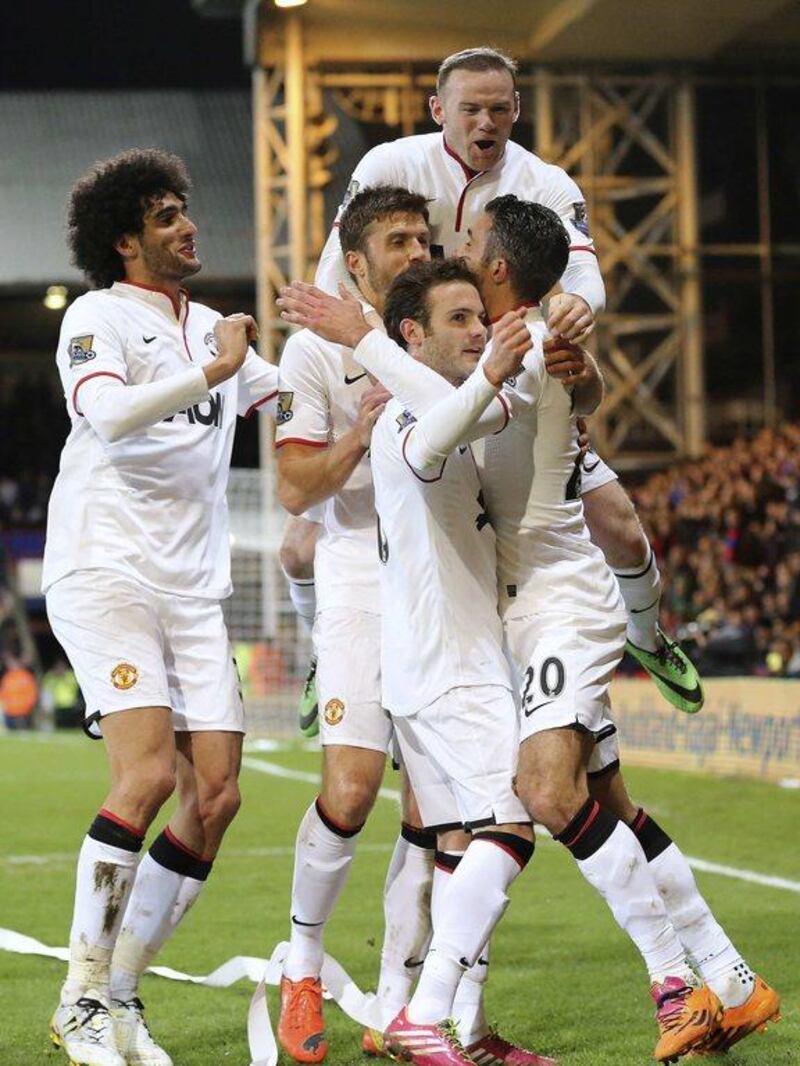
(477, 59)
(408, 294)
(111, 200)
(532, 240)
(373, 205)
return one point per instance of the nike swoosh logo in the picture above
(352, 381)
(308, 925)
(305, 720)
(546, 703)
(649, 607)
(411, 963)
(148, 340)
(589, 469)
(693, 694)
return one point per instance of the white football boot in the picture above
(85, 1030)
(133, 1036)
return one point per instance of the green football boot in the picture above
(308, 708)
(673, 672)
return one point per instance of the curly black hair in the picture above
(110, 202)
(408, 293)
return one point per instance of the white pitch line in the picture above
(697, 864)
(279, 852)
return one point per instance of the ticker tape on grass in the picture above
(363, 1007)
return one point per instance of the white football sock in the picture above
(407, 921)
(303, 595)
(641, 591)
(470, 907)
(322, 861)
(104, 880)
(468, 1005)
(720, 964)
(619, 871)
(159, 900)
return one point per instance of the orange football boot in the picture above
(372, 1043)
(686, 1017)
(762, 1005)
(301, 1027)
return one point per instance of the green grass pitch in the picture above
(564, 979)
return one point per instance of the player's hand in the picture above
(340, 321)
(570, 316)
(511, 340)
(565, 361)
(233, 336)
(373, 401)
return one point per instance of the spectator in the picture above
(18, 695)
(61, 696)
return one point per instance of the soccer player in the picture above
(445, 678)
(459, 171)
(136, 564)
(565, 630)
(326, 412)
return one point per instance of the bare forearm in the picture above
(309, 479)
(589, 393)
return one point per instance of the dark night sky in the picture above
(111, 44)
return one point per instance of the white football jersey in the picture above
(531, 476)
(320, 393)
(439, 628)
(151, 504)
(457, 196)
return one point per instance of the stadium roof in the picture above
(549, 31)
(48, 139)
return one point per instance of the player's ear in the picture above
(516, 106)
(127, 246)
(498, 270)
(411, 331)
(437, 112)
(355, 263)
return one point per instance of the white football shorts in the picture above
(131, 646)
(594, 472)
(460, 753)
(564, 665)
(347, 643)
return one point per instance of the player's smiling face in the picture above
(392, 245)
(164, 252)
(455, 336)
(476, 111)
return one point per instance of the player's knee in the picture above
(615, 528)
(294, 564)
(147, 785)
(217, 807)
(351, 803)
(552, 804)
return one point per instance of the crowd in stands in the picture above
(726, 530)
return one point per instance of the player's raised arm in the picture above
(575, 368)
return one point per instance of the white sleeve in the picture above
(582, 274)
(303, 409)
(377, 167)
(257, 384)
(115, 410)
(416, 386)
(448, 423)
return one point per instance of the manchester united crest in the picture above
(334, 711)
(124, 676)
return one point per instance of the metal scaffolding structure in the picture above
(630, 141)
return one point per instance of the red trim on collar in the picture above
(493, 321)
(583, 248)
(176, 304)
(469, 173)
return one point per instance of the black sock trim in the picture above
(639, 573)
(446, 860)
(517, 847)
(340, 830)
(171, 856)
(107, 831)
(420, 838)
(612, 766)
(588, 831)
(650, 835)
